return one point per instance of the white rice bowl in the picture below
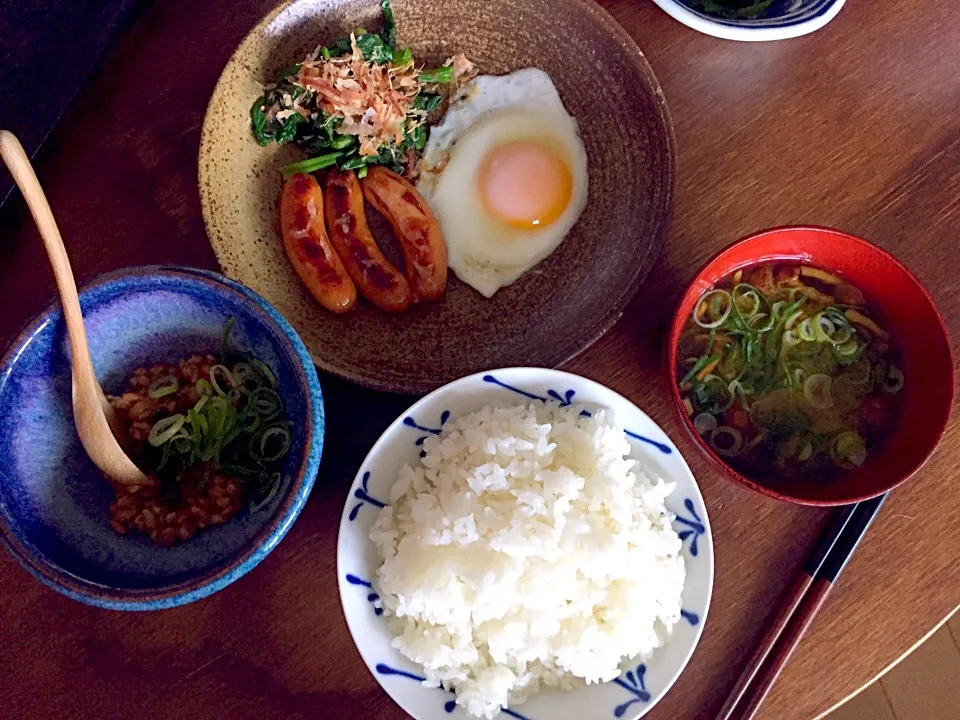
(527, 549)
(642, 682)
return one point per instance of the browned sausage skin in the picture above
(415, 226)
(308, 247)
(378, 281)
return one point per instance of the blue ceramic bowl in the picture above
(55, 504)
(779, 20)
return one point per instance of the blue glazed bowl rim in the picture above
(257, 548)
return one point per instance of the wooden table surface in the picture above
(856, 126)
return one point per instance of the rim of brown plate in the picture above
(661, 215)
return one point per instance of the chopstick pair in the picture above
(802, 602)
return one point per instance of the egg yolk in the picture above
(524, 184)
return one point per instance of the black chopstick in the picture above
(788, 605)
(843, 550)
(803, 601)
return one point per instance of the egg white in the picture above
(482, 249)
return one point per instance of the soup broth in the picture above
(788, 370)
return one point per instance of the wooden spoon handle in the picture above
(20, 167)
(91, 411)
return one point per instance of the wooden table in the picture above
(856, 126)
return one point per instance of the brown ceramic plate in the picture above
(553, 311)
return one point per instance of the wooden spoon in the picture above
(92, 413)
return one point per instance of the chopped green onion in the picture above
(848, 449)
(793, 360)
(237, 424)
(162, 387)
(275, 431)
(728, 435)
(266, 372)
(791, 338)
(165, 429)
(719, 296)
(243, 373)
(848, 352)
(713, 395)
(745, 391)
(710, 341)
(265, 402)
(227, 376)
(704, 423)
(730, 364)
(791, 318)
(249, 421)
(747, 300)
(761, 322)
(816, 391)
(276, 480)
(832, 327)
(798, 376)
(697, 367)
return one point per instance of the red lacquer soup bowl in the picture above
(912, 319)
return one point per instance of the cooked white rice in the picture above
(527, 549)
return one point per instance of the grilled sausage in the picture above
(416, 228)
(309, 248)
(378, 281)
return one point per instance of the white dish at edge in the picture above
(642, 683)
(751, 30)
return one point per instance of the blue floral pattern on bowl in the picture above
(635, 682)
(372, 596)
(693, 528)
(450, 705)
(645, 681)
(563, 400)
(362, 494)
(410, 422)
(567, 399)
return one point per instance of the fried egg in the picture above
(505, 173)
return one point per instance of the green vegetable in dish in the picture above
(238, 423)
(358, 102)
(785, 366)
(440, 75)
